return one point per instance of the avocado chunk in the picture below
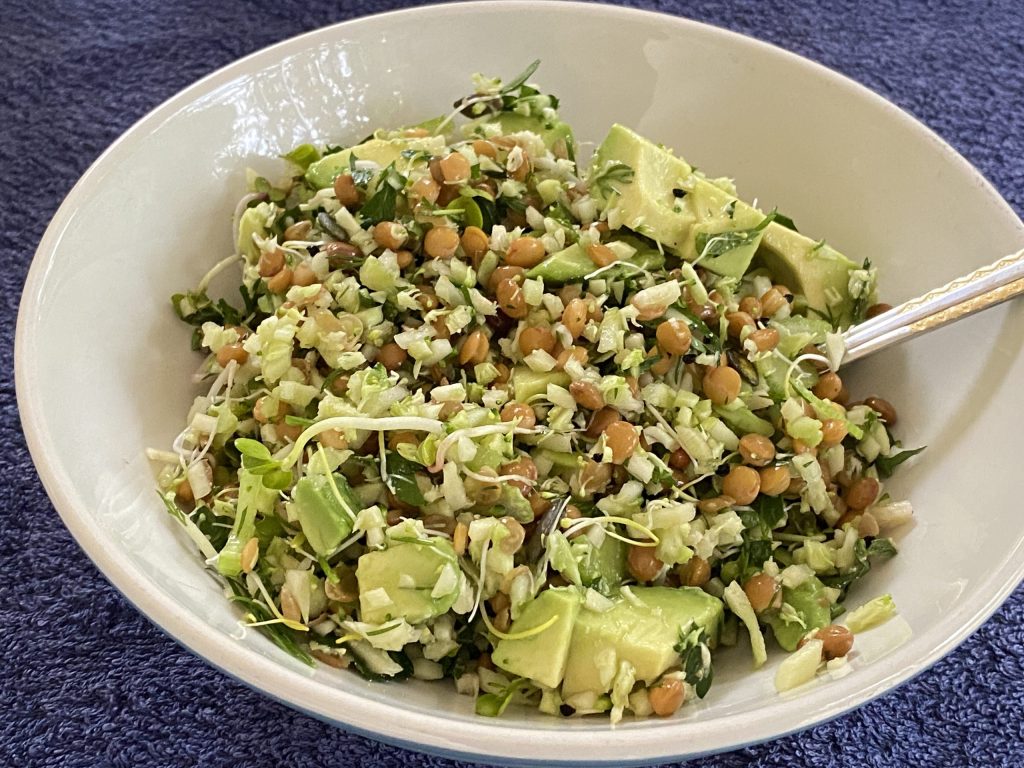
(550, 131)
(527, 383)
(541, 657)
(605, 567)
(650, 203)
(573, 263)
(325, 518)
(811, 605)
(383, 152)
(399, 582)
(644, 634)
(666, 200)
(813, 269)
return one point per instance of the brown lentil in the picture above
(392, 356)
(345, 190)
(836, 641)
(721, 384)
(862, 493)
(674, 336)
(485, 148)
(511, 300)
(832, 431)
(742, 484)
(756, 450)
(281, 282)
(455, 168)
(774, 480)
(525, 252)
(271, 262)
(587, 394)
(883, 408)
(760, 590)
(574, 317)
(534, 338)
(389, 234)
(475, 243)
(643, 564)
(522, 411)
(771, 302)
(303, 275)
(679, 459)
(230, 352)
(751, 305)
(600, 420)
(441, 242)
(601, 254)
(695, 572)
(829, 386)
(621, 439)
(666, 696)
(425, 189)
(737, 322)
(877, 309)
(474, 349)
(765, 339)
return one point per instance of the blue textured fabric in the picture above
(87, 681)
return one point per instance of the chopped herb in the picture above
(402, 479)
(715, 245)
(695, 653)
(886, 465)
(614, 173)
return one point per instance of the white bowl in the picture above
(103, 364)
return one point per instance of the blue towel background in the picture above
(87, 681)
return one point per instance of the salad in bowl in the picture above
(558, 429)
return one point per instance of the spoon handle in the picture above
(964, 296)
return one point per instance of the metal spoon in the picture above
(983, 288)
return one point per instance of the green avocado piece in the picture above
(541, 657)
(811, 605)
(605, 568)
(651, 202)
(406, 572)
(813, 269)
(325, 522)
(644, 634)
(573, 263)
(570, 263)
(527, 383)
(669, 202)
(550, 131)
(742, 420)
(383, 152)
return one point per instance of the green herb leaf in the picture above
(361, 176)
(252, 449)
(883, 548)
(402, 479)
(521, 78)
(785, 221)
(715, 245)
(279, 634)
(493, 704)
(695, 653)
(615, 173)
(886, 465)
(381, 205)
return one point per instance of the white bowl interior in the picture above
(103, 364)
